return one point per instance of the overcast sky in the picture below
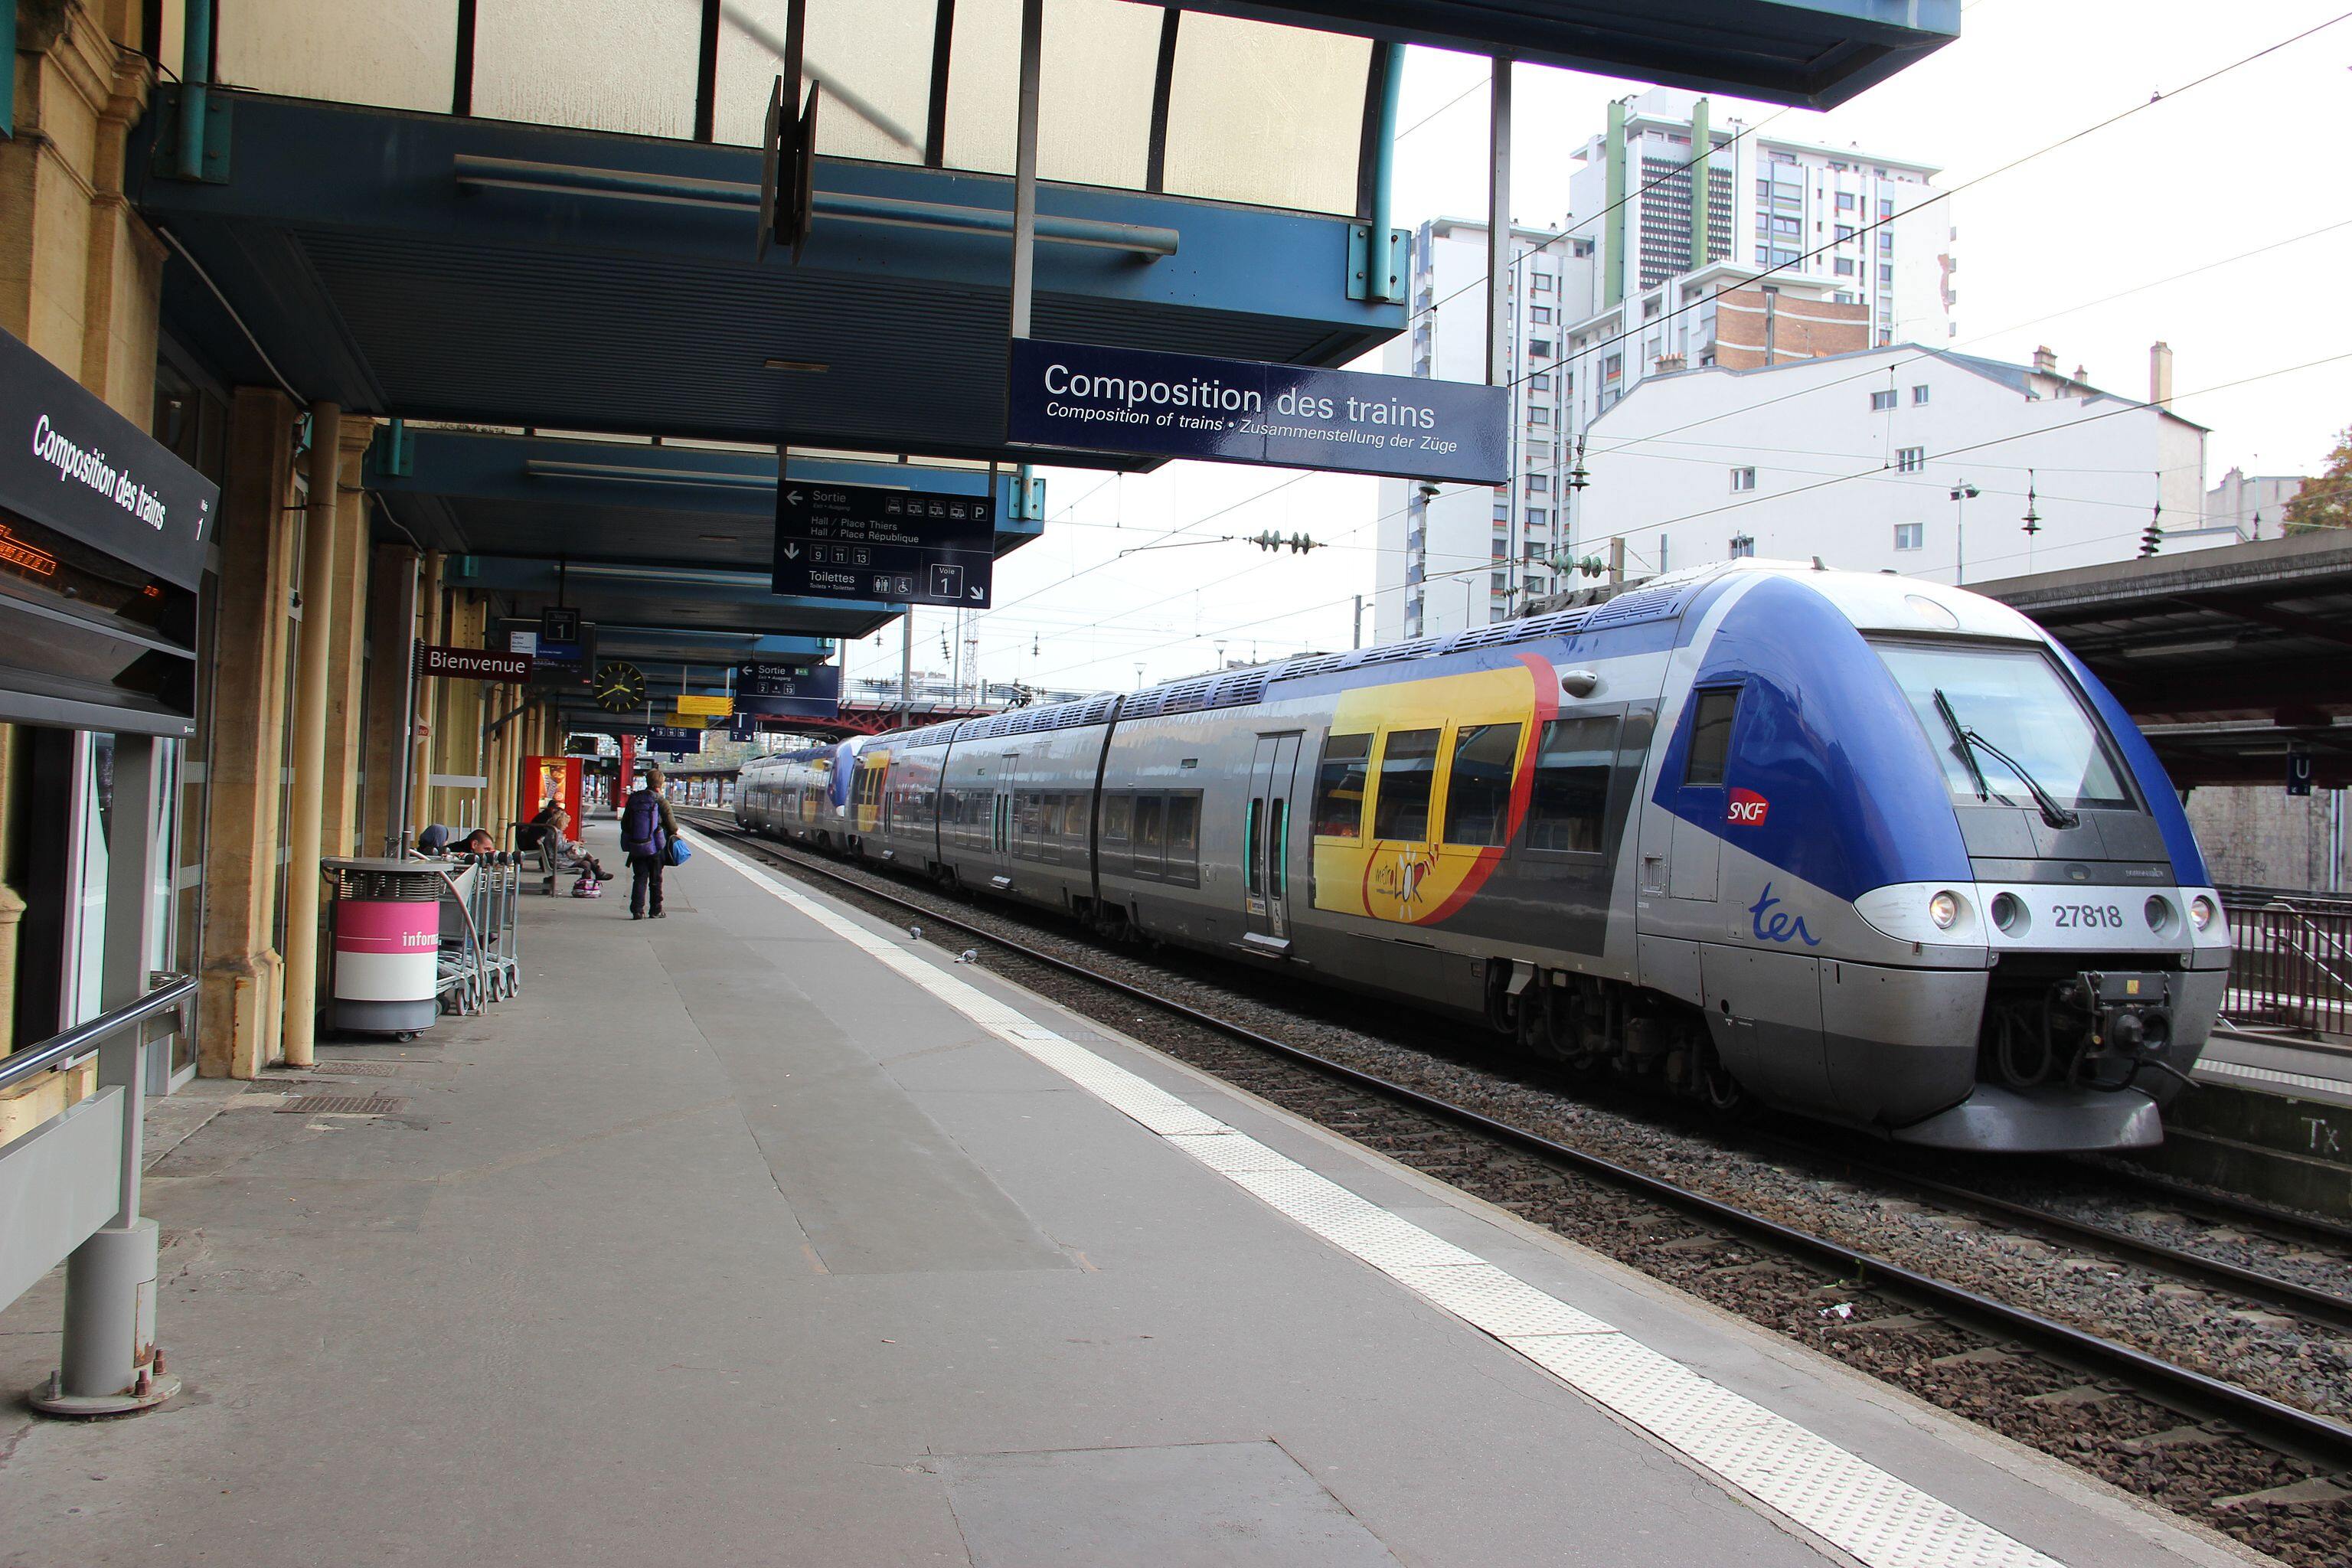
(1139, 570)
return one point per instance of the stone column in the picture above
(391, 632)
(339, 829)
(242, 971)
(429, 702)
(307, 806)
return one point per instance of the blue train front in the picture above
(1935, 881)
(1870, 849)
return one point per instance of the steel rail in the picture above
(2266, 1289)
(2293, 1430)
(85, 1038)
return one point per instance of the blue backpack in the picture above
(641, 824)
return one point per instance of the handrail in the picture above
(17, 1068)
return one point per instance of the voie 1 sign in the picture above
(781, 691)
(871, 542)
(1086, 398)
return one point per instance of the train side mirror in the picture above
(1578, 682)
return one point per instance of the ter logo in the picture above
(1747, 808)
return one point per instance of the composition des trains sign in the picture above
(1083, 398)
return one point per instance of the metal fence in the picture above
(2293, 964)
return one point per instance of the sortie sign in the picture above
(472, 664)
(1084, 397)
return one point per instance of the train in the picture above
(1862, 847)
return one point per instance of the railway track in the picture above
(2149, 1420)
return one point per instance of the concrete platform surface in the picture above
(765, 1234)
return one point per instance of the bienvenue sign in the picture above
(1088, 398)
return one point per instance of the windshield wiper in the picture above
(1968, 739)
(1961, 743)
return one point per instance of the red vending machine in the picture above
(550, 778)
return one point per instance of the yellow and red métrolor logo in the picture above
(1421, 879)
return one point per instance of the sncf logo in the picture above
(1747, 808)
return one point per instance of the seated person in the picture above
(435, 840)
(562, 852)
(532, 834)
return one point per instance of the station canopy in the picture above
(519, 215)
(2229, 659)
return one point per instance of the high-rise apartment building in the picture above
(1758, 251)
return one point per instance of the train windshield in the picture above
(2012, 698)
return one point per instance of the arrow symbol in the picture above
(791, 553)
(978, 594)
(794, 497)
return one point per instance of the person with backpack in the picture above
(648, 830)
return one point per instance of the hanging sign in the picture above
(783, 691)
(2298, 773)
(676, 741)
(1086, 398)
(472, 664)
(69, 463)
(706, 707)
(869, 542)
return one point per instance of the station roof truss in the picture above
(2228, 659)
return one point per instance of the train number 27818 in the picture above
(2089, 916)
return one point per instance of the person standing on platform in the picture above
(646, 831)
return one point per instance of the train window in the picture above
(1249, 848)
(1183, 824)
(1149, 840)
(1408, 777)
(1710, 740)
(1117, 811)
(1339, 787)
(1568, 804)
(1478, 792)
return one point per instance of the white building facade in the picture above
(1844, 458)
(1453, 555)
(1627, 291)
(2253, 504)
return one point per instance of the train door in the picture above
(1695, 857)
(1003, 803)
(1266, 836)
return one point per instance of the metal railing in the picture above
(72, 1185)
(2292, 964)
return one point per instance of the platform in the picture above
(2272, 1119)
(766, 1233)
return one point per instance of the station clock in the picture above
(620, 687)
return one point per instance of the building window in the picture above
(1742, 544)
(1846, 266)
(1502, 511)
(1886, 206)
(1787, 225)
(1910, 460)
(1845, 232)
(1539, 484)
(1540, 315)
(1777, 156)
(1846, 201)
(1910, 535)
(1539, 415)
(1841, 298)
(1886, 243)
(1543, 283)
(1539, 382)
(1887, 276)
(1612, 367)
(1537, 517)
(1539, 347)
(1918, 395)
(1743, 479)
(1882, 401)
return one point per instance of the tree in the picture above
(2325, 502)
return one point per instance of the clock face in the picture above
(620, 687)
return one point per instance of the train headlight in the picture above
(1944, 908)
(2200, 912)
(2160, 914)
(2009, 912)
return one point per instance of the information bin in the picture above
(386, 925)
